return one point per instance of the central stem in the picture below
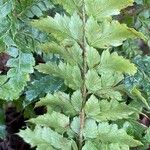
(84, 71)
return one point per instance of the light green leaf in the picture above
(76, 27)
(111, 134)
(93, 57)
(49, 68)
(61, 27)
(93, 30)
(114, 146)
(76, 100)
(59, 102)
(93, 81)
(112, 110)
(102, 146)
(89, 145)
(100, 9)
(116, 63)
(75, 125)
(71, 54)
(71, 74)
(90, 129)
(51, 25)
(70, 5)
(109, 93)
(45, 137)
(55, 120)
(92, 107)
(110, 78)
(109, 33)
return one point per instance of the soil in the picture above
(14, 121)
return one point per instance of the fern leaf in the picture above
(17, 76)
(116, 63)
(93, 57)
(76, 100)
(70, 5)
(93, 81)
(105, 8)
(55, 120)
(113, 33)
(59, 101)
(110, 78)
(110, 134)
(109, 93)
(71, 54)
(61, 27)
(70, 74)
(104, 110)
(114, 146)
(92, 107)
(44, 137)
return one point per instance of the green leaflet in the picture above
(89, 145)
(90, 129)
(109, 93)
(109, 33)
(96, 146)
(116, 63)
(59, 102)
(110, 78)
(55, 120)
(71, 54)
(115, 135)
(108, 134)
(70, 5)
(93, 57)
(114, 110)
(17, 76)
(105, 8)
(113, 131)
(92, 107)
(44, 137)
(61, 27)
(105, 111)
(70, 74)
(93, 81)
(76, 100)
(75, 125)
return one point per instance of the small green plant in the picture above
(93, 114)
